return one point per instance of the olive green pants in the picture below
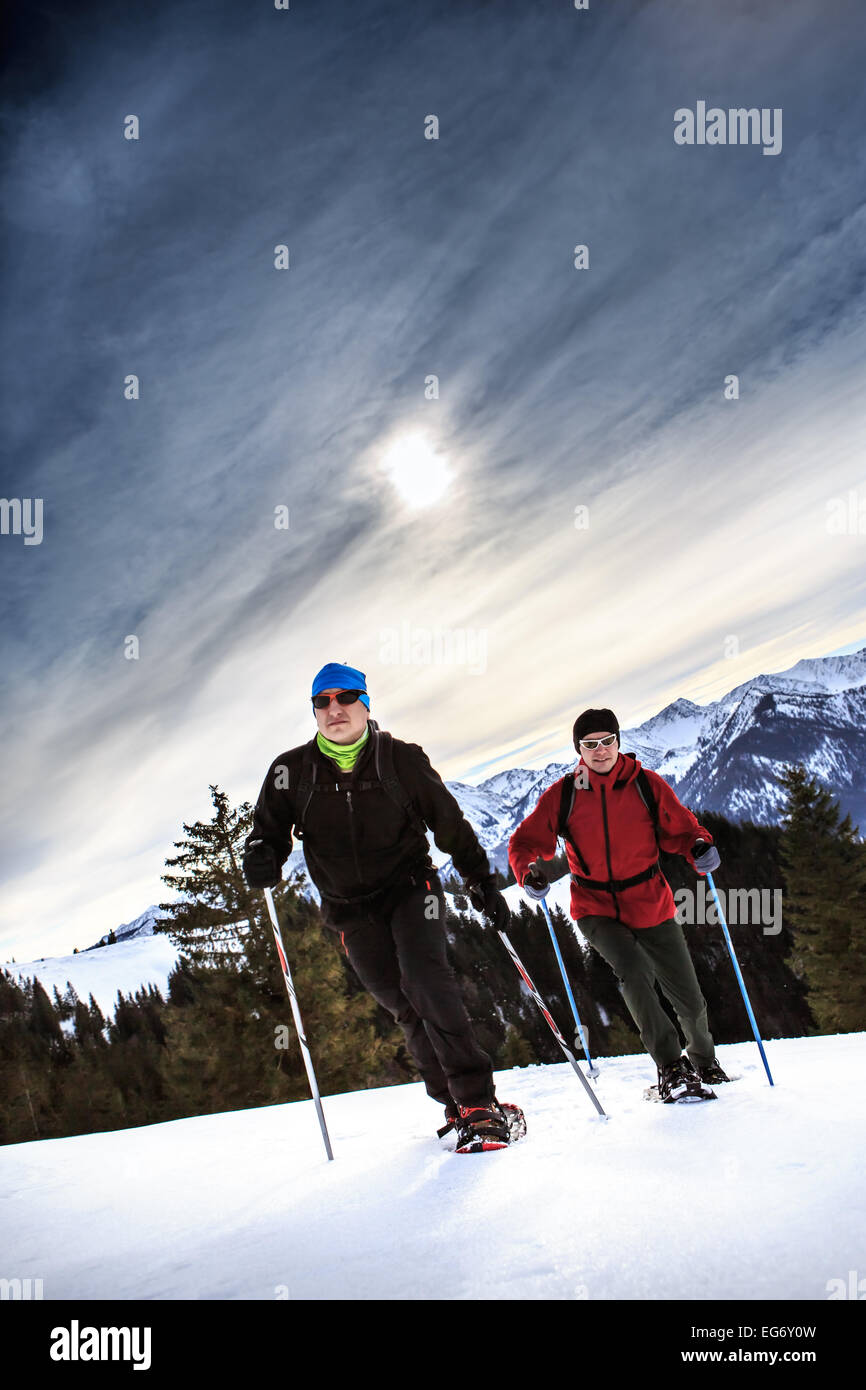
(640, 956)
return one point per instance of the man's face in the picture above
(342, 723)
(600, 759)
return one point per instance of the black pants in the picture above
(396, 945)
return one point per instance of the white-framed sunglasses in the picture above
(594, 742)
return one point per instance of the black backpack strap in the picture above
(306, 787)
(648, 797)
(566, 805)
(392, 786)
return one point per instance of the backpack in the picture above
(568, 791)
(386, 778)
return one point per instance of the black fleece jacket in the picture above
(356, 839)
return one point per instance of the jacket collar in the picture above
(624, 770)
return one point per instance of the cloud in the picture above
(259, 388)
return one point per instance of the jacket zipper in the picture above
(352, 838)
(607, 847)
(570, 840)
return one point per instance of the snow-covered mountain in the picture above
(725, 756)
(496, 807)
(143, 925)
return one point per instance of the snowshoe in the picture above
(516, 1121)
(652, 1093)
(679, 1082)
(495, 1126)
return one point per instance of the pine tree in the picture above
(825, 871)
(230, 1036)
(89, 1025)
(208, 923)
(22, 1055)
(43, 1016)
(622, 1039)
(34, 1060)
(515, 1051)
(135, 1058)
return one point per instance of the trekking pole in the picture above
(299, 1025)
(593, 1071)
(553, 1028)
(739, 976)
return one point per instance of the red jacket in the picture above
(614, 832)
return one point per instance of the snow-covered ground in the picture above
(757, 1195)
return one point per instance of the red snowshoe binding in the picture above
(494, 1126)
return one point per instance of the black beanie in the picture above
(593, 720)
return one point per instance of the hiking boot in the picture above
(711, 1074)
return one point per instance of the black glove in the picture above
(261, 869)
(535, 885)
(706, 857)
(485, 897)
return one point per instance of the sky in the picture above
(424, 441)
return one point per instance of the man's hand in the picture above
(485, 897)
(261, 869)
(535, 885)
(706, 857)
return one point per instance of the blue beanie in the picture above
(337, 677)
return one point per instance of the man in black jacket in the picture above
(360, 803)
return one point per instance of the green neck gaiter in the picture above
(345, 755)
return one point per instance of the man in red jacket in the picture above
(613, 824)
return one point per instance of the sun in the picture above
(419, 474)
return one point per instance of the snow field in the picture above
(757, 1195)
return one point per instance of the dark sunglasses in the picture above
(594, 742)
(343, 697)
